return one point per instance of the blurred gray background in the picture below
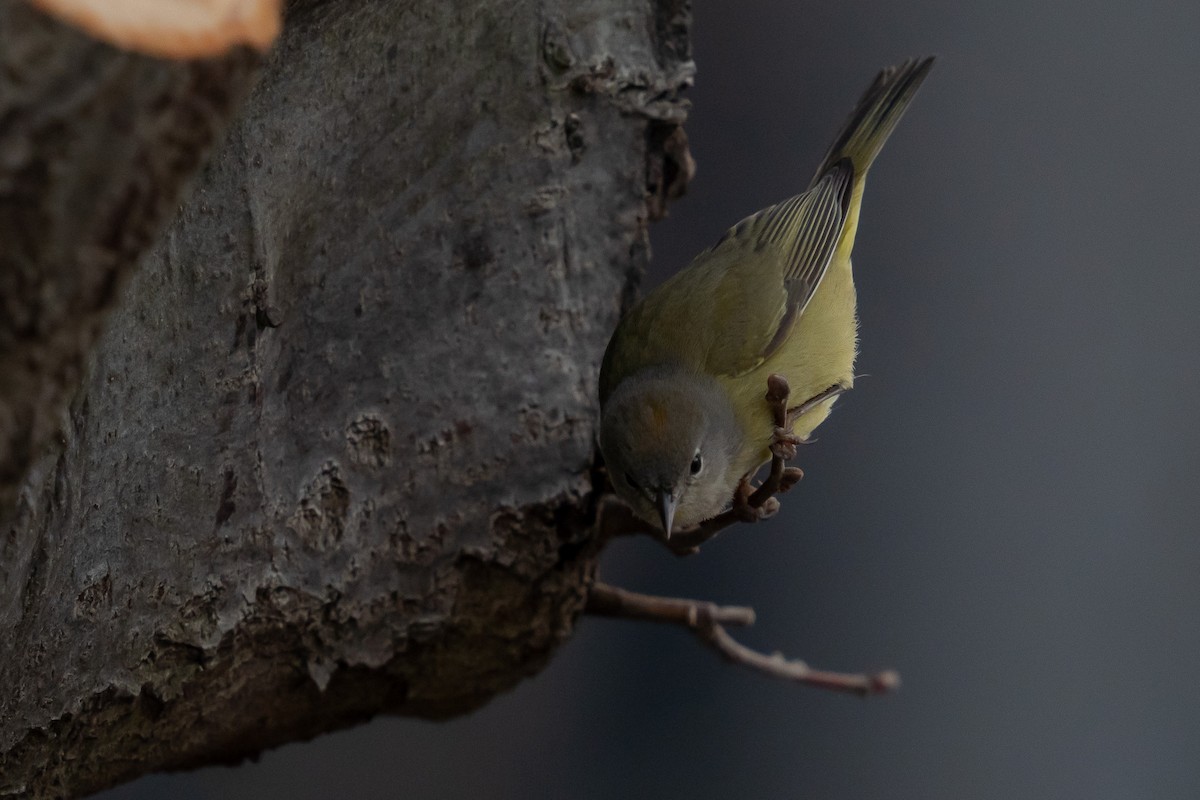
(1005, 510)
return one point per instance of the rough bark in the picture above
(333, 455)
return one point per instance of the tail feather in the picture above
(875, 116)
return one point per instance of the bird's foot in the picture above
(783, 445)
(784, 442)
(747, 511)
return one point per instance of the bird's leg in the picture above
(812, 402)
(708, 620)
(781, 478)
(783, 446)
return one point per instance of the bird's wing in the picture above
(775, 261)
(736, 303)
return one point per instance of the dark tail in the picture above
(876, 115)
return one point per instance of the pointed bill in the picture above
(666, 510)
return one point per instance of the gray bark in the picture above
(333, 454)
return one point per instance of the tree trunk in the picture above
(333, 454)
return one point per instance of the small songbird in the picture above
(683, 415)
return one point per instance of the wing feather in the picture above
(732, 308)
(795, 240)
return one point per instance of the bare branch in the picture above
(609, 601)
(706, 620)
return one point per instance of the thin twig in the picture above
(609, 601)
(706, 620)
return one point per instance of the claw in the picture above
(791, 476)
(769, 508)
(783, 444)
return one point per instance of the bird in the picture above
(683, 417)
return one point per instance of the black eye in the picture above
(632, 483)
(697, 464)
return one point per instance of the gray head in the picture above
(669, 439)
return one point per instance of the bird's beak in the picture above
(666, 510)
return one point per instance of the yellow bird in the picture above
(683, 413)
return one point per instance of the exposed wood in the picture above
(173, 28)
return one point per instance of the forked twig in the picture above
(707, 621)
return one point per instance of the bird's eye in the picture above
(632, 483)
(697, 464)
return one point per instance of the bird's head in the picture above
(669, 439)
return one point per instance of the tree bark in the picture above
(333, 453)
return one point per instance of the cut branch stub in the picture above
(173, 28)
(96, 147)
